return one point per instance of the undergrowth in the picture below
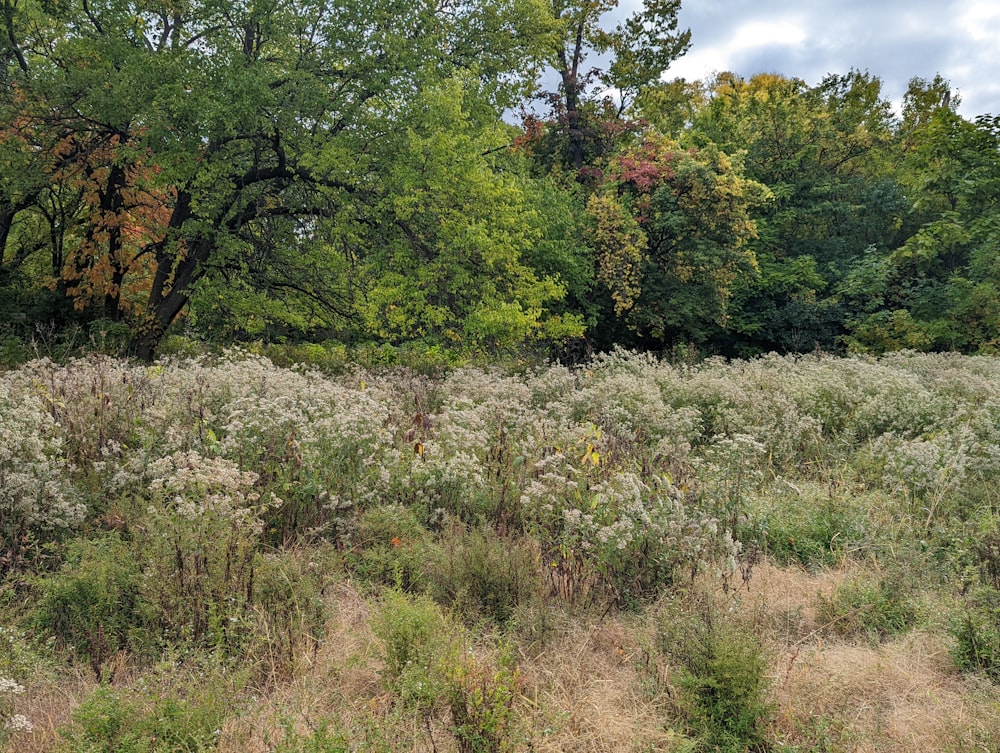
(182, 538)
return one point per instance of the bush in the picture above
(863, 607)
(480, 574)
(976, 630)
(288, 615)
(158, 718)
(481, 696)
(200, 538)
(418, 640)
(722, 677)
(429, 667)
(390, 547)
(810, 528)
(96, 604)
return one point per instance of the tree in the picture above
(824, 152)
(943, 280)
(585, 113)
(209, 140)
(672, 227)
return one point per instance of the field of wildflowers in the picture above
(221, 554)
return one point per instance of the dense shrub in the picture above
(876, 607)
(479, 574)
(722, 675)
(98, 603)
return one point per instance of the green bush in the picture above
(861, 606)
(390, 546)
(288, 616)
(323, 739)
(418, 641)
(116, 720)
(805, 530)
(976, 631)
(481, 696)
(480, 574)
(96, 603)
(722, 677)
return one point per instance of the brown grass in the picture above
(585, 695)
(900, 697)
(601, 687)
(904, 696)
(339, 679)
(50, 706)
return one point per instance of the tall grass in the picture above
(212, 512)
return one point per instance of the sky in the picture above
(892, 39)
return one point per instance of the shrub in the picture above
(417, 641)
(38, 502)
(323, 739)
(722, 676)
(976, 631)
(97, 604)
(157, 717)
(389, 546)
(288, 615)
(430, 668)
(200, 539)
(10, 721)
(480, 574)
(806, 525)
(620, 536)
(481, 694)
(861, 606)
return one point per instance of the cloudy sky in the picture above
(893, 39)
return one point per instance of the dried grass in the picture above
(339, 679)
(780, 602)
(585, 695)
(902, 696)
(50, 707)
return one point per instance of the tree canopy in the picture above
(355, 170)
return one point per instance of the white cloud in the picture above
(981, 21)
(893, 39)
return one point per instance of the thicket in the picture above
(186, 534)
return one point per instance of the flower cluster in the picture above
(11, 722)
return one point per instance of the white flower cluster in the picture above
(12, 722)
(35, 487)
(193, 486)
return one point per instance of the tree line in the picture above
(480, 174)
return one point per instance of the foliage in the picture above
(584, 121)
(723, 677)
(482, 575)
(390, 547)
(158, 720)
(418, 643)
(877, 608)
(405, 557)
(481, 696)
(239, 157)
(672, 227)
(976, 635)
(819, 149)
(811, 527)
(97, 604)
(37, 501)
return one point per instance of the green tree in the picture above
(672, 228)
(208, 142)
(587, 109)
(824, 152)
(939, 287)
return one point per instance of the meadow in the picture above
(217, 553)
